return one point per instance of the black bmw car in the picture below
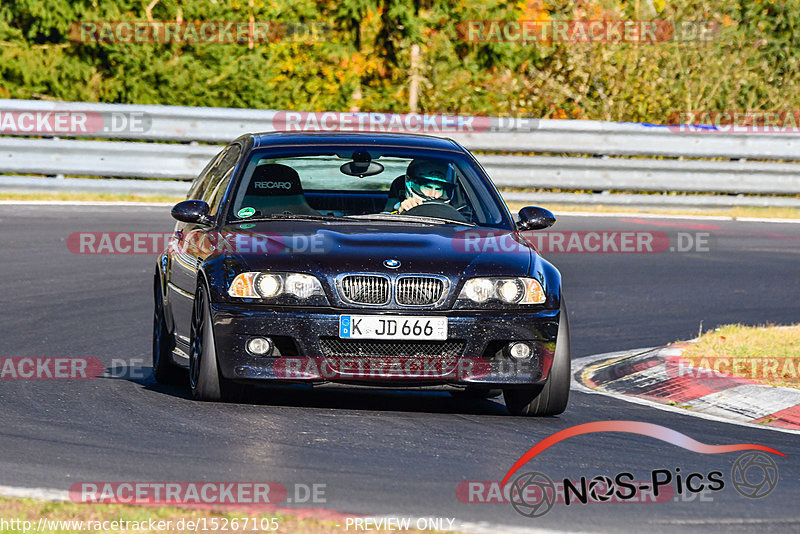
(387, 260)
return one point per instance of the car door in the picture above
(194, 241)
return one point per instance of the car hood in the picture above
(330, 248)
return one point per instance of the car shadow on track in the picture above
(370, 399)
(327, 396)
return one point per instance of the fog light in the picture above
(519, 351)
(259, 346)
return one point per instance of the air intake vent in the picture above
(365, 289)
(419, 290)
(333, 347)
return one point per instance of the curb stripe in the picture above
(625, 367)
(685, 388)
(652, 376)
(788, 418)
(746, 402)
(641, 381)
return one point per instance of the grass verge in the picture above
(765, 354)
(90, 197)
(91, 518)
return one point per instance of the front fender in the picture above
(550, 278)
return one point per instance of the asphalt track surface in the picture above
(377, 451)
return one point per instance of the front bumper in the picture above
(308, 348)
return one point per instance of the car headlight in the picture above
(520, 290)
(268, 285)
(252, 285)
(478, 290)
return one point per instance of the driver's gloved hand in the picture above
(408, 203)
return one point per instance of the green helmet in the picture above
(430, 180)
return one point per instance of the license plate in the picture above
(392, 327)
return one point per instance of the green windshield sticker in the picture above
(246, 212)
(246, 226)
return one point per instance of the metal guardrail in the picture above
(162, 123)
(181, 161)
(103, 158)
(184, 162)
(624, 139)
(220, 125)
(603, 174)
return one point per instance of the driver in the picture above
(425, 180)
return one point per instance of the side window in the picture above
(220, 177)
(215, 199)
(199, 184)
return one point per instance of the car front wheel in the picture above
(553, 397)
(204, 378)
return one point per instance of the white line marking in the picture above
(646, 215)
(43, 494)
(735, 521)
(80, 203)
(672, 216)
(766, 219)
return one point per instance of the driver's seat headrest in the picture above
(274, 179)
(276, 189)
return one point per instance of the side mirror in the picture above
(533, 218)
(192, 211)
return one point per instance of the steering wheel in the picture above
(438, 209)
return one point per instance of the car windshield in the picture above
(447, 188)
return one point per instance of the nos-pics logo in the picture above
(754, 474)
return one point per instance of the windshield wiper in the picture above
(284, 216)
(409, 218)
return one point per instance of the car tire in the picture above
(553, 397)
(205, 381)
(164, 371)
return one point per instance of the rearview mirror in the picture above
(192, 211)
(534, 218)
